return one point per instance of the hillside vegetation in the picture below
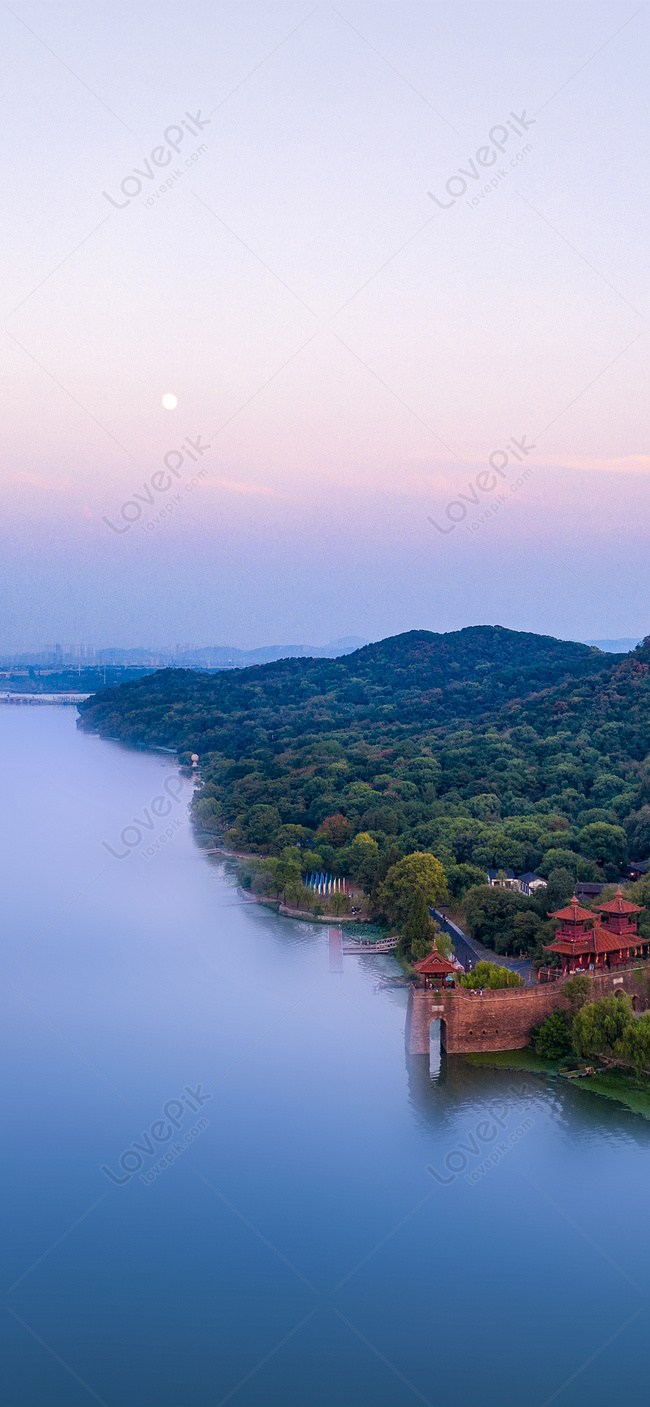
(487, 747)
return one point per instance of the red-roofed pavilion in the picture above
(608, 942)
(434, 969)
(618, 914)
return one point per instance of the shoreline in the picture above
(619, 1088)
(305, 914)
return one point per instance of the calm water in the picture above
(295, 1251)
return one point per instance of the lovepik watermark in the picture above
(461, 182)
(159, 808)
(136, 181)
(500, 1151)
(161, 482)
(485, 482)
(174, 1152)
(132, 1159)
(487, 1130)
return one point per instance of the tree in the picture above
(261, 824)
(491, 913)
(553, 1038)
(527, 926)
(577, 990)
(636, 1043)
(599, 1027)
(606, 785)
(419, 931)
(603, 843)
(489, 974)
(637, 826)
(207, 813)
(444, 944)
(486, 807)
(555, 859)
(559, 889)
(335, 829)
(462, 877)
(290, 835)
(417, 873)
(287, 875)
(363, 860)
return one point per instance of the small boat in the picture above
(581, 1073)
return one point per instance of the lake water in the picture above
(293, 1251)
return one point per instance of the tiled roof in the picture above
(573, 913)
(595, 940)
(433, 964)
(619, 905)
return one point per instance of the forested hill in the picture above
(485, 745)
(417, 677)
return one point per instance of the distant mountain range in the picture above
(617, 647)
(217, 657)
(180, 656)
(229, 657)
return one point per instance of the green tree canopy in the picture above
(558, 858)
(419, 931)
(560, 887)
(262, 823)
(486, 747)
(553, 1039)
(362, 859)
(636, 1043)
(291, 835)
(444, 944)
(335, 830)
(599, 1027)
(419, 873)
(637, 825)
(577, 990)
(462, 877)
(491, 913)
(603, 843)
(489, 974)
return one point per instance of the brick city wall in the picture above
(502, 1020)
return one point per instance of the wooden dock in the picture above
(364, 950)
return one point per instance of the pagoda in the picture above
(618, 915)
(434, 969)
(608, 942)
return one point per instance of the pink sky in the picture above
(353, 352)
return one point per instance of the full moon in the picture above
(170, 401)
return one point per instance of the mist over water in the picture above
(293, 1249)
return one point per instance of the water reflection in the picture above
(440, 1086)
(299, 1251)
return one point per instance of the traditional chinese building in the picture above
(434, 970)
(607, 942)
(618, 915)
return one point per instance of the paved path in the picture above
(469, 950)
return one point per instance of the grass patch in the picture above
(625, 1089)
(611, 1084)
(525, 1059)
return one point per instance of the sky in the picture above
(388, 262)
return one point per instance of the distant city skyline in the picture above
(221, 656)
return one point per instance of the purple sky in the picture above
(360, 357)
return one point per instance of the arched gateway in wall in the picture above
(502, 1019)
(437, 1043)
(605, 945)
